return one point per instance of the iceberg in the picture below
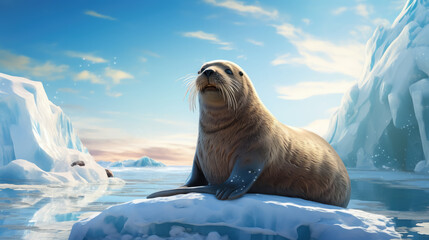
(38, 143)
(254, 216)
(383, 120)
(142, 162)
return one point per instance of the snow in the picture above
(142, 162)
(383, 120)
(256, 216)
(37, 141)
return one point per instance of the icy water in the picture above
(48, 212)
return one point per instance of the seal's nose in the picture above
(208, 72)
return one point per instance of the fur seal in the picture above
(242, 148)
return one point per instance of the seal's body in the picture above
(243, 148)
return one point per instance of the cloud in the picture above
(86, 75)
(319, 126)
(113, 94)
(303, 90)
(339, 10)
(282, 59)
(143, 59)
(49, 70)
(306, 21)
(117, 75)
(321, 55)
(241, 7)
(363, 32)
(381, 21)
(86, 56)
(113, 144)
(360, 9)
(13, 62)
(254, 42)
(98, 15)
(208, 37)
(152, 54)
(363, 10)
(25, 65)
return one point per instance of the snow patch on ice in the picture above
(383, 120)
(37, 140)
(260, 216)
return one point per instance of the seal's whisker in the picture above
(232, 88)
(189, 80)
(225, 94)
(191, 93)
(187, 77)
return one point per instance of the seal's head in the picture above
(219, 83)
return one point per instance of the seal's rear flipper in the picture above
(184, 190)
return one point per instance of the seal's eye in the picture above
(228, 71)
(241, 73)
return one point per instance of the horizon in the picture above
(116, 70)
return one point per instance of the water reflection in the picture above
(401, 196)
(48, 212)
(45, 211)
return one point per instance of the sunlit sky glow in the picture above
(115, 67)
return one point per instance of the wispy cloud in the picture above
(117, 75)
(25, 65)
(86, 56)
(306, 21)
(241, 7)
(242, 57)
(86, 75)
(49, 70)
(209, 37)
(152, 54)
(143, 59)
(321, 55)
(303, 90)
(113, 144)
(113, 94)
(381, 21)
(254, 42)
(362, 32)
(98, 15)
(339, 10)
(363, 10)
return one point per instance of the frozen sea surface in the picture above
(48, 212)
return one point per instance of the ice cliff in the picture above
(37, 141)
(383, 120)
(142, 162)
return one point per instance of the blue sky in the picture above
(116, 67)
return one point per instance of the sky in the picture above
(117, 68)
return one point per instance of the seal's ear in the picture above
(241, 73)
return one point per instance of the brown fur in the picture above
(298, 163)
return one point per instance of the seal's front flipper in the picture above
(243, 175)
(184, 190)
(197, 177)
